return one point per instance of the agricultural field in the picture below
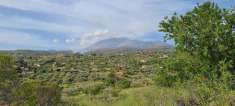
(83, 75)
(120, 79)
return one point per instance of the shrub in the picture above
(9, 79)
(94, 89)
(48, 94)
(124, 83)
(38, 93)
(178, 69)
(111, 79)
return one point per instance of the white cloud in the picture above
(55, 40)
(89, 38)
(70, 40)
(96, 19)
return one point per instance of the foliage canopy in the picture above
(206, 38)
(207, 32)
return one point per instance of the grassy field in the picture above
(152, 96)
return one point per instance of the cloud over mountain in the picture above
(76, 24)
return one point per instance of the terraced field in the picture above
(92, 74)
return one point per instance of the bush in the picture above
(38, 93)
(9, 79)
(178, 69)
(48, 94)
(111, 79)
(124, 83)
(94, 89)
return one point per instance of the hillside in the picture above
(125, 45)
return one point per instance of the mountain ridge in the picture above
(125, 44)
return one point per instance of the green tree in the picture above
(206, 32)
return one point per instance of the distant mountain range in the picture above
(112, 45)
(34, 52)
(125, 45)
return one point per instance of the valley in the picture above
(97, 76)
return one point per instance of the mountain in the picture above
(125, 45)
(35, 52)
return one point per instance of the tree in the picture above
(205, 34)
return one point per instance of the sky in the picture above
(77, 24)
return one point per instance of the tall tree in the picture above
(207, 32)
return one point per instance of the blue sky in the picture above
(76, 24)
